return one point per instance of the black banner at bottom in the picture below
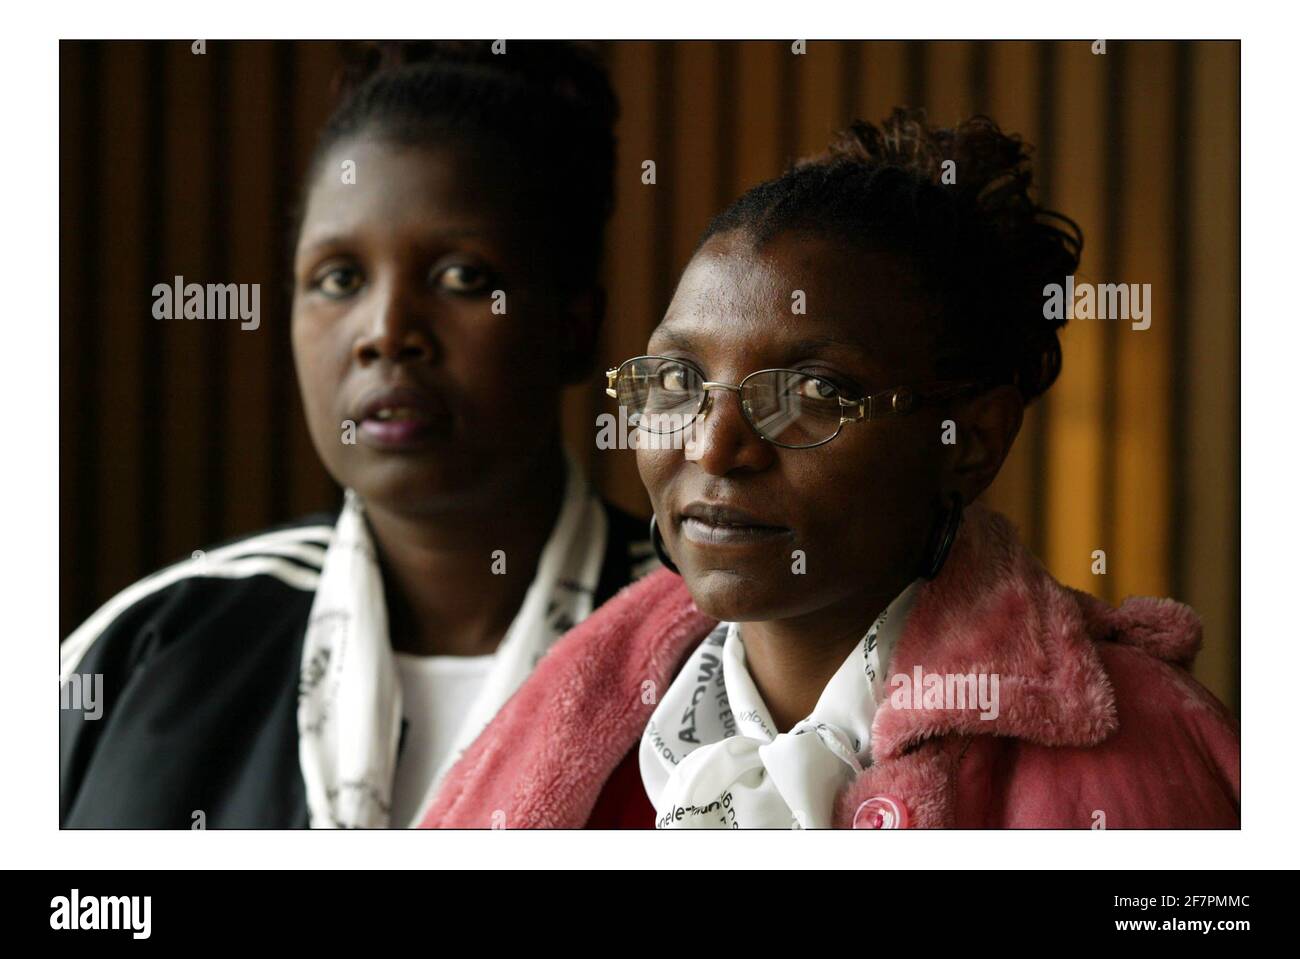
(331, 908)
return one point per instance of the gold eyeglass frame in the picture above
(897, 400)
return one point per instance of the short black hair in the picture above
(547, 105)
(983, 249)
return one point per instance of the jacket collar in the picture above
(995, 611)
(994, 616)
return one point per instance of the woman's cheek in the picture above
(320, 371)
(655, 467)
(503, 375)
(858, 496)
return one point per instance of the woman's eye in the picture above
(675, 378)
(815, 389)
(339, 281)
(462, 278)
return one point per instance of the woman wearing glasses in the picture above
(445, 279)
(843, 638)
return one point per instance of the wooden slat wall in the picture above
(1014, 92)
(1207, 568)
(1075, 448)
(176, 435)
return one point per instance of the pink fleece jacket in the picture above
(1099, 723)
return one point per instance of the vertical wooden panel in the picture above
(248, 410)
(725, 74)
(125, 293)
(1038, 420)
(1013, 70)
(152, 346)
(1144, 386)
(850, 80)
(1213, 404)
(691, 176)
(211, 436)
(977, 72)
(282, 389)
(663, 233)
(1180, 245)
(316, 63)
(884, 75)
(79, 324)
(1107, 268)
(948, 91)
(916, 74)
(1075, 441)
(187, 242)
(821, 110)
(633, 311)
(758, 156)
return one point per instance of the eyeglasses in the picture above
(790, 408)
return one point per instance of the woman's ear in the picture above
(986, 425)
(581, 321)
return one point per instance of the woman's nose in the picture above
(395, 331)
(721, 439)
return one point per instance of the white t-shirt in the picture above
(437, 692)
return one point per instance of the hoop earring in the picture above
(941, 543)
(657, 541)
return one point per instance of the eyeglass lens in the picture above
(784, 406)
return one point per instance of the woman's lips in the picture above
(713, 524)
(403, 433)
(401, 418)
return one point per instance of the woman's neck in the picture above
(443, 594)
(792, 660)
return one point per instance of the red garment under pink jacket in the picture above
(1100, 722)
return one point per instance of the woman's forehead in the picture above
(794, 293)
(726, 333)
(394, 186)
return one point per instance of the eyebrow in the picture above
(680, 340)
(818, 343)
(344, 239)
(804, 347)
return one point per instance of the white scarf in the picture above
(711, 757)
(350, 697)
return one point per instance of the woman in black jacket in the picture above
(445, 291)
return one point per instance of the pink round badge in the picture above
(881, 812)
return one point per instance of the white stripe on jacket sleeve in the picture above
(227, 562)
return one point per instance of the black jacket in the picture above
(200, 666)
